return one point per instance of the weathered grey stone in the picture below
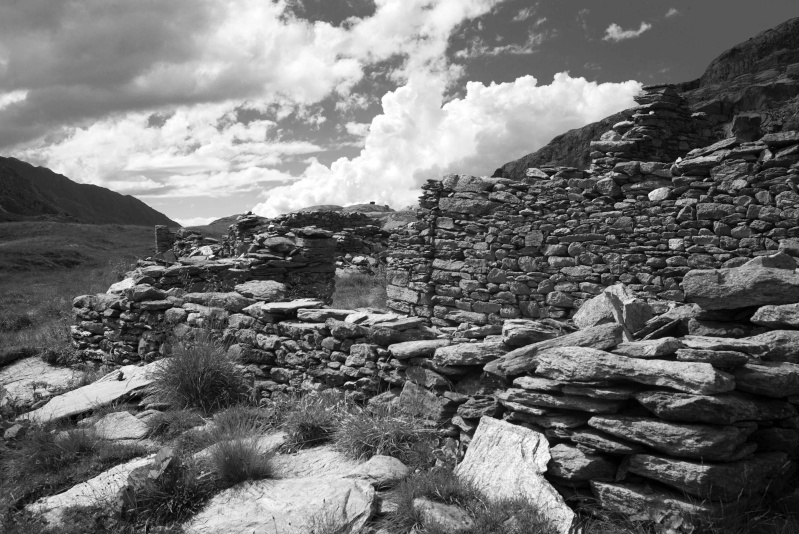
(615, 304)
(561, 422)
(571, 464)
(420, 401)
(564, 402)
(231, 301)
(770, 379)
(29, 379)
(380, 471)
(467, 205)
(650, 348)
(425, 377)
(600, 441)
(323, 314)
(782, 345)
(286, 505)
(479, 406)
(516, 362)
(281, 308)
(585, 364)
(720, 359)
(784, 316)
(446, 517)
(722, 409)
(641, 502)
(721, 443)
(506, 461)
(748, 285)
(745, 345)
(726, 481)
(600, 392)
(466, 183)
(416, 349)
(469, 353)
(121, 425)
(106, 390)
(522, 332)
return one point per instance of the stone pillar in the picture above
(164, 239)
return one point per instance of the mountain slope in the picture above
(759, 77)
(37, 192)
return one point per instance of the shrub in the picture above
(201, 375)
(236, 460)
(382, 430)
(313, 419)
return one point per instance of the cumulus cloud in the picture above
(418, 137)
(615, 33)
(133, 56)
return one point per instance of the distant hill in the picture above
(759, 77)
(37, 193)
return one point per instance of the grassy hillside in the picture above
(44, 265)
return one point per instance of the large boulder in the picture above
(616, 304)
(516, 362)
(506, 461)
(287, 505)
(522, 332)
(469, 353)
(766, 280)
(585, 364)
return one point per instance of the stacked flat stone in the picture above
(490, 249)
(164, 238)
(660, 129)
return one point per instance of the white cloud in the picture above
(419, 137)
(358, 129)
(615, 33)
(672, 12)
(524, 14)
(478, 48)
(12, 97)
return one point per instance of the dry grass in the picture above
(358, 290)
(200, 375)
(313, 419)
(383, 430)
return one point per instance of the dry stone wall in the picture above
(489, 249)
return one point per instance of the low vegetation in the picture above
(313, 419)
(359, 290)
(384, 430)
(200, 374)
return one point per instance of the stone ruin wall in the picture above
(489, 249)
(659, 419)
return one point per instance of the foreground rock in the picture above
(506, 461)
(516, 362)
(27, 380)
(106, 390)
(101, 489)
(288, 505)
(447, 517)
(583, 364)
(616, 304)
(121, 426)
(768, 280)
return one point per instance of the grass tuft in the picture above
(171, 424)
(383, 430)
(313, 419)
(237, 460)
(200, 374)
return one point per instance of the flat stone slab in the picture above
(322, 314)
(522, 332)
(121, 425)
(521, 360)
(640, 502)
(97, 491)
(783, 316)
(571, 464)
(264, 290)
(505, 461)
(27, 379)
(770, 379)
(287, 505)
(724, 481)
(708, 442)
(106, 390)
(782, 345)
(751, 284)
(469, 353)
(586, 364)
(416, 349)
(564, 402)
(748, 346)
(720, 359)
(722, 409)
(651, 348)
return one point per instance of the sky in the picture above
(209, 108)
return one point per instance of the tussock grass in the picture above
(383, 430)
(358, 290)
(169, 425)
(441, 485)
(313, 419)
(200, 374)
(237, 460)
